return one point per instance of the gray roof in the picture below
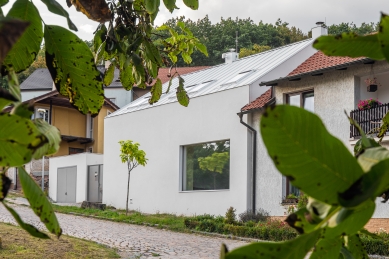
(39, 79)
(244, 71)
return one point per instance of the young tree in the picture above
(133, 156)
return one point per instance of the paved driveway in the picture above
(133, 241)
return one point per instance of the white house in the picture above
(327, 86)
(177, 138)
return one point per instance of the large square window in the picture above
(206, 166)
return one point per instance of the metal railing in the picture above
(368, 119)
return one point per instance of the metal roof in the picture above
(39, 79)
(219, 78)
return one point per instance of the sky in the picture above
(302, 14)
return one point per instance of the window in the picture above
(206, 166)
(112, 100)
(239, 77)
(305, 100)
(195, 88)
(73, 150)
(42, 113)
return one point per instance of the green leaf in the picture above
(170, 5)
(39, 203)
(350, 221)
(24, 110)
(71, 65)
(13, 84)
(6, 98)
(345, 254)
(54, 7)
(151, 6)
(327, 248)
(108, 75)
(53, 136)
(19, 139)
(33, 231)
(170, 83)
(383, 35)
(153, 53)
(126, 78)
(138, 73)
(304, 151)
(193, 4)
(27, 47)
(5, 184)
(152, 68)
(384, 127)
(3, 2)
(181, 94)
(369, 186)
(299, 221)
(372, 156)
(186, 57)
(156, 91)
(355, 247)
(202, 48)
(351, 45)
(10, 31)
(294, 249)
(361, 146)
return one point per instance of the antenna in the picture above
(236, 41)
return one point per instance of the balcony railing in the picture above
(368, 119)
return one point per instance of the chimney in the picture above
(319, 30)
(230, 56)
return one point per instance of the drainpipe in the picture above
(254, 155)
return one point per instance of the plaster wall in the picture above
(382, 93)
(81, 161)
(122, 96)
(28, 95)
(161, 131)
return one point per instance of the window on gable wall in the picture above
(206, 166)
(306, 100)
(42, 113)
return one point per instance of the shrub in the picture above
(230, 217)
(249, 215)
(376, 246)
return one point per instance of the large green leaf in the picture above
(369, 186)
(294, 249)
(156, 91)
(10, 31)
(23, 110)
(372, 156)
(153, 53)
(350, 45)
(299, 221)
(170, 5)
(53, 136)
(151, 6)
(355, 246)
(19, 139)
(3, 2)
(13, 84)
(304, 151)
(383, 35)
(27, 47)
(108, 75)
(6, 98)
(39, 202)
(29, 228)
(327, 248)
(56, 8)
(126, 78)
(181, 94)
(71, 65)
(193, 4)
(384, 127)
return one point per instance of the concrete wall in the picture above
(81, 161)
(161, 131)
(335, 92)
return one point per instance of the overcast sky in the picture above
(300, 13)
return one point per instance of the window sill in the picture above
(197, 191)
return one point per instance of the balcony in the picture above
(368, 119)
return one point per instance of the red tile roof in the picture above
(259, 102)
(164, 72)
(320, 61)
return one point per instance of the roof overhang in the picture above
(80, 140)
(271, 102)
(318, 72)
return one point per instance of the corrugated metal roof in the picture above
(219, 77)
(39, 79)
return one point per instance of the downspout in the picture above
(254, 155)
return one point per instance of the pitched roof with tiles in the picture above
(258, 103)
(319, 61)
(39, 79)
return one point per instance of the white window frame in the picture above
(37, 114)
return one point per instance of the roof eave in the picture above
(271, 102)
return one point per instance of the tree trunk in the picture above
(128, 190)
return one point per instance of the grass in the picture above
(168, 221)
(17, 243)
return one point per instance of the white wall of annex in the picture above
(28, 95)
(81, 161)
(161, 131)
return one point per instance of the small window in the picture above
(238, 77)
(195, 88)
(73, 150)
(112, 100)
(206, 166)
(42, 113)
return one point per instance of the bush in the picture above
(230, 217)
(375, 246)
(259, 215)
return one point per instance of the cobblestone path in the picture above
(133, 241)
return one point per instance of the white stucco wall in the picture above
(81, 161)
(335, 92)
(28, 95)
(161, 131)
(122, 96)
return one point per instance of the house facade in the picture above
(327, 86)
(199, 158)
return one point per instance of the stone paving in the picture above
(133, 241)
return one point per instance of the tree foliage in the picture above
(254, 50)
